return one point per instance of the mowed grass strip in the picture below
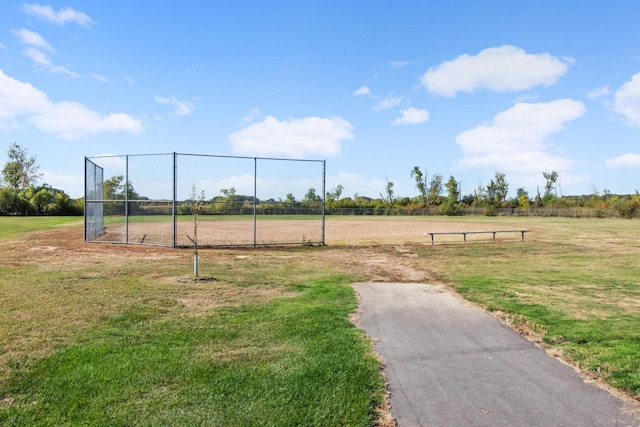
(575, 283)
(122, 336)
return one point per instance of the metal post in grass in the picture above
(255, 202)
(196, 202)
(174, 233)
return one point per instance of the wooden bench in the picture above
(464, 233)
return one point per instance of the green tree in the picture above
(435, 189)
(311, 196)
(115, 189)
(389, 193)
(522, 198)
(451, 205)
(20, 193)
(40, 199)
(421, 183)
(21, 170)
(229, 199)
(550, 185)
(289, 200)
(496, 193)
(334, 195)
(19, 175)
(502, 188)
(195, 203)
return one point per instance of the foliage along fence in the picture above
(466, 211)
(313, 208)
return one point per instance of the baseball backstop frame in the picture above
(131, 219)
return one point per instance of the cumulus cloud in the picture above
(363, 91)
(180, 107)
(388, 103)
(502, 69)
(517, 142)
(65, 119)
(411, 116)
(295, 138)
(627, 160)
(61, 17)
(626, 100)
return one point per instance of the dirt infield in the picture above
(282, 230)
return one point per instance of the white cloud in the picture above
(61, 17)
(626, 100)
(2, 46)
(295, 138)
(517, 142)
(162, 100)
(58, 69)
(363, 91)
(180, 107)
(501, 69)
(31, 38)
(253, 115)
(37, 56)
(411, 116)
(65, 119)
(388, 103)
(35, 49)
(72, 120)
(626, 160)
(400, 64)
(598, 93)
(99, 78)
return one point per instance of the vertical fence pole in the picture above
(126, 200)
(255, 202)
(174, 239)
(324, 196)
(85, 199)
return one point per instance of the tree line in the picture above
(446, 198)
(21, 194)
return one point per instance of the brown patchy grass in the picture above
(54, 286)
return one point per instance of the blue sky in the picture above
(462, 88)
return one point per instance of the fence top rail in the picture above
(476, 232)
(203, 155)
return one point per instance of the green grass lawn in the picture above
(576, 283)
(15, 226)
(113, 335)
(126, 338)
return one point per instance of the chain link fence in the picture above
(248, 201)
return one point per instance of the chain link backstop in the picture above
(248, 201)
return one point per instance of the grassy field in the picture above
(575, 287)
(113, 335)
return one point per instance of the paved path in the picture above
(449, 364)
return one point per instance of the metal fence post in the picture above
(174, 241)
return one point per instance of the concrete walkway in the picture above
(449, 364)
